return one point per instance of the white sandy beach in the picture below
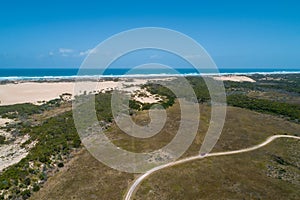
(35, 92)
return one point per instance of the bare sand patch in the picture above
(234, 78)
(37, 92)
(3, 121)
(12, 153)
(33, 92)
(144, 96)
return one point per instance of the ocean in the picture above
(48, 73)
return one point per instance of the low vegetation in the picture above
(253, 175)
(57, 141)
(22, 111)
(266, 106)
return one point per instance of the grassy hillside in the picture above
(85, 175)
(272, 172)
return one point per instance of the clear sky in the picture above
(237, 34)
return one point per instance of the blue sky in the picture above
(237, 34)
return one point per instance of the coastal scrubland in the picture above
(59, 167)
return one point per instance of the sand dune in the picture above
(234, 78)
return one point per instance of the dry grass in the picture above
(241, 176)
(87, 178)
(276, 96)
(38, 118)
(244, 128)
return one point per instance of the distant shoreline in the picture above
(97, 77)
(39, 90)
(52, 74)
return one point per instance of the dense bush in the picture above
(267, 106)
(12, 111)
(200, 89)
(26, 109)
(134, 105)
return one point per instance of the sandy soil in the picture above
(234, 78)
(12, 152)
(147, 97)
(3, 121)
(33, 92)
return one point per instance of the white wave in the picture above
(36, 78)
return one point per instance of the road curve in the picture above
(138, 181)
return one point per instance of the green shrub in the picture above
(27, 181)
(35, 188)
(26, 194)
(60, 165)
(2, 139)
